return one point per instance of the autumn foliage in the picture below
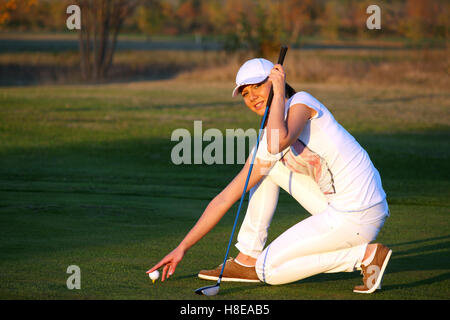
(257, 26)
(15, 9)
(286, 20)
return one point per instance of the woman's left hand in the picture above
(278, 79)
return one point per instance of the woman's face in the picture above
(256, 95)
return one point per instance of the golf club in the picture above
(213, 290)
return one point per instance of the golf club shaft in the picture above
(283, 51)
(281, 56)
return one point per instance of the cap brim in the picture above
(246, 82)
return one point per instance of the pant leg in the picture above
(331, 241)
(263, 201)
(301, 187)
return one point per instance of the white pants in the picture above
(328, 241)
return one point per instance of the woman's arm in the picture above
(281, 133)
(215, 210)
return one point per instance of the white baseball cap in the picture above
(251, 72)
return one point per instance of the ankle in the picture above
(245, 260)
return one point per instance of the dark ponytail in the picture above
(289, 91)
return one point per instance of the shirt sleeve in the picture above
(307, 99)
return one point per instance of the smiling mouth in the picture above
(259, 105)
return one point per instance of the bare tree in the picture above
(101, 21)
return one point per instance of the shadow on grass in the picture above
(436, 279)
(150, 106)
(245, 286)
(139, 175)
(393, 245)
(189, 276)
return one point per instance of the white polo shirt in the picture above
(342, 168)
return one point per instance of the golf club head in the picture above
(208, 290)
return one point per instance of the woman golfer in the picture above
(305, 151)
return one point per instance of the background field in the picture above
(86, 179)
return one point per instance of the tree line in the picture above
(254, 25)
(284, 19)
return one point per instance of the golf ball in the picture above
(154, 275)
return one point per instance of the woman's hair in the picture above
(289, 91)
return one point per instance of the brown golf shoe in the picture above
(373, 273)
(233, 272)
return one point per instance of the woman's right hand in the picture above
(169, 262)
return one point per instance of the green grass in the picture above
(86, 179)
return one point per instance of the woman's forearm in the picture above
(276, 129)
